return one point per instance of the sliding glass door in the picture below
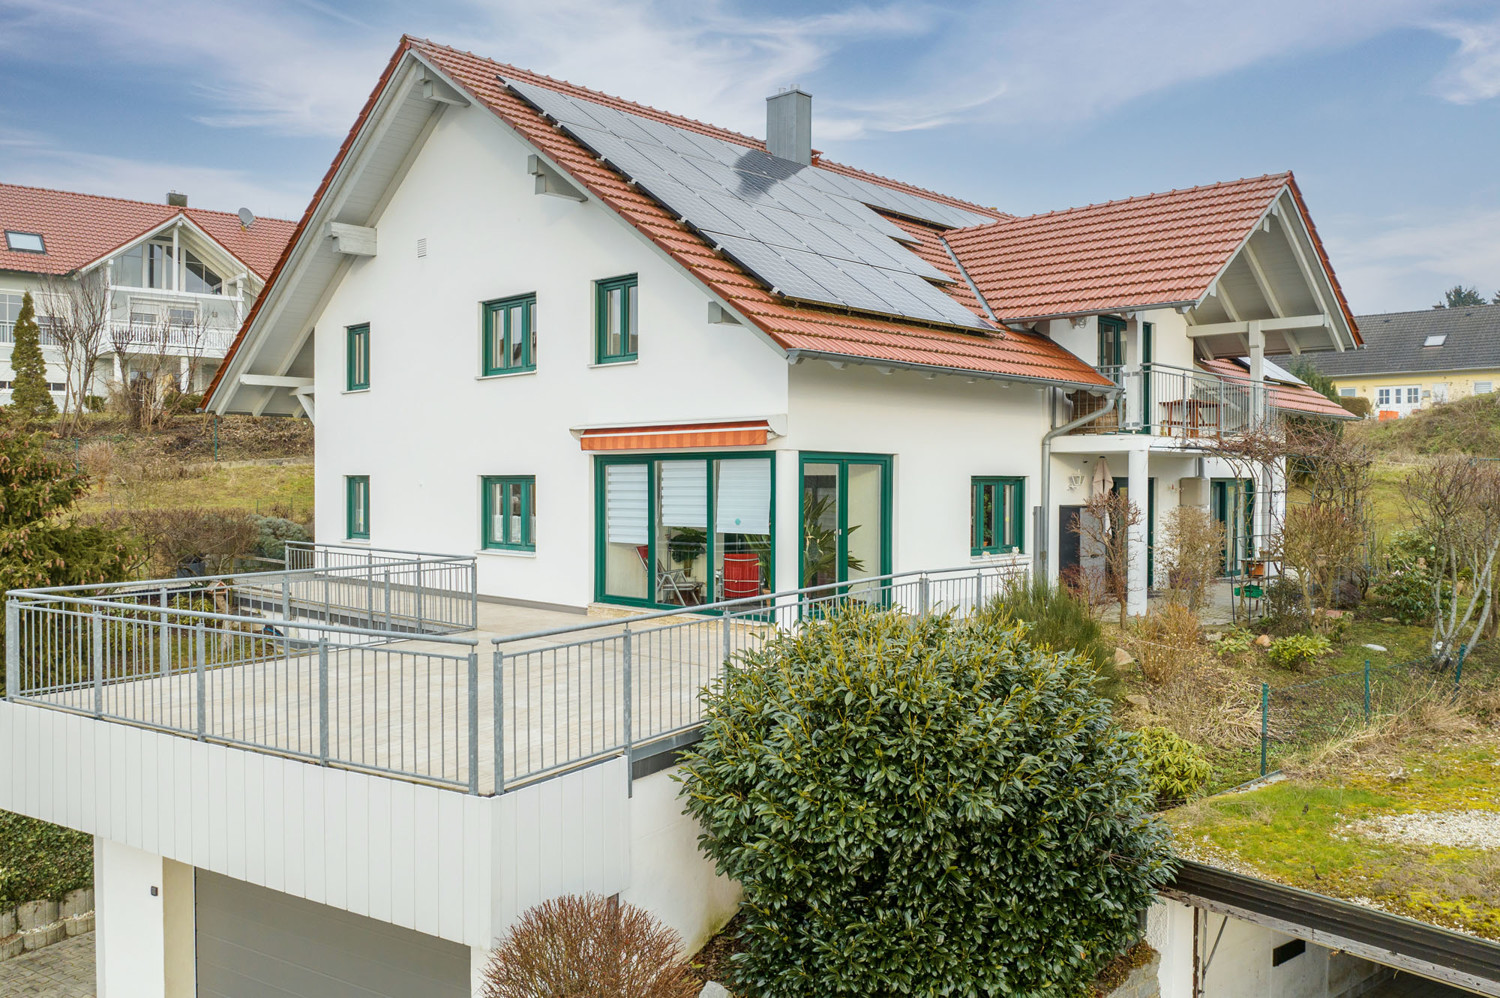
(684, 530)
(846, 520)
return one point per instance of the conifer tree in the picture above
(28, 391)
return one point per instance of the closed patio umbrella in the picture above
(1103, 481)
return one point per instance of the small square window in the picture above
(1346, 393)
(357, 506)
(997, 514)
(510, 335)
(1483, 387)
(358, 359)
(25, 242)
(615, 309)
(509, 512)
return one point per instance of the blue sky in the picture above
(1387, 110)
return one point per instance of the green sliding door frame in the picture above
(843, 460)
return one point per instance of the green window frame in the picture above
(357, 506)
(516, 528)
(997, 515)
(510, 335)
(1111, 341)
(357, 356)
(616, 304)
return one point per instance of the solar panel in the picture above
(810, 233)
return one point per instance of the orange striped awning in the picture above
(743, 433)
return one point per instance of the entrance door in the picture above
(846, 521)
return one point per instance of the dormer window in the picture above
(25, 242)
(1435, 340)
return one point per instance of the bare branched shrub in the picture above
(1320, 543)
(97, 459)
(1455, 502)
(1167, 641)
(1104, 527)
(1195, 543)
(170, 539)
(588, 947)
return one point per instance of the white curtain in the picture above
(684, 494)
(625, 505)
(744, 499)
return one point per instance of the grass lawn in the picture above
(286, 489)
(1328, 831)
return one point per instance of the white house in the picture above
(612, 358)
(169, 284)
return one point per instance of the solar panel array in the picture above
(809, 233)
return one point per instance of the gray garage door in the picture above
(254, 943)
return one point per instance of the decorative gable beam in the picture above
(439, 91)
(1308, 275)
(351, 240)
(1318, 321)
(1262, 283)
(550, 181)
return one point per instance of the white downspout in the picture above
(1044, 517)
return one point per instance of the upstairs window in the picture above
(198, 278)
(358, 359)
(1435, 340)
(510, 512)
(1111, 342)
(510, 335)
(615, 319)
(998, 514)
(357, 506)
(25, 242)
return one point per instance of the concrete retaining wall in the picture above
(36, 924)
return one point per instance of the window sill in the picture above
(362, 541)
(996, 556)
(616, 363)
(356, 391)
(506, 552)
(498, 375)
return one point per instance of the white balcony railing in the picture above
(1166, 401)
(189, 341)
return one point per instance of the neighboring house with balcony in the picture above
(1413, 360)
(177, 281)
(613, 358)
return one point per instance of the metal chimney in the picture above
(789, 126)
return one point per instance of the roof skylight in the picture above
(1435, 340)
(25, 242)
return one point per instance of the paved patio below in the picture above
(63, 970)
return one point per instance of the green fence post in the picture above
(1265, 707)
(1367, 691)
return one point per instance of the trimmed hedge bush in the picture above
(1175, 766)
(41, 862)
(922, 807)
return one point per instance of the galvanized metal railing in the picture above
(179, 656)
(571, 695)
(384, 588)
(1178, 402)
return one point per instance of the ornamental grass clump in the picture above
(922, 807)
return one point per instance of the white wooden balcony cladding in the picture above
(448, 864)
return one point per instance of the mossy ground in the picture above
(1297, 833)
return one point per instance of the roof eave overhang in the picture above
(795, 355)
(1103, 310)
(1417, 947)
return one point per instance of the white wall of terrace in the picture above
(452, 865)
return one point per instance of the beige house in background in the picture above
(1412, 360)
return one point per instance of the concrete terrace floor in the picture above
(63, 970)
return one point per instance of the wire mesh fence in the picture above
(1297, 717)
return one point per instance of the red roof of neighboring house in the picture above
(1155, 249)
(1286, 397)
(793, 327)
(78, 229)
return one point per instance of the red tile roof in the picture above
(1150, 250)
(79, 229)
(793, 327)
(1298, 399)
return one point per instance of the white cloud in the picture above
(1474, 72)
(1400, 262)
(33, 160)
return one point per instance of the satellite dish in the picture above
(247, 217)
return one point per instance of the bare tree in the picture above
(78, 306)
(1195, 543)
(1104, 526)
(1455, 501)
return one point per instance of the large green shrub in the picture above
(1175, 766)
(1056, 619)
(272, 534)
(41, 862)
(922, 807)
(1403, 589)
